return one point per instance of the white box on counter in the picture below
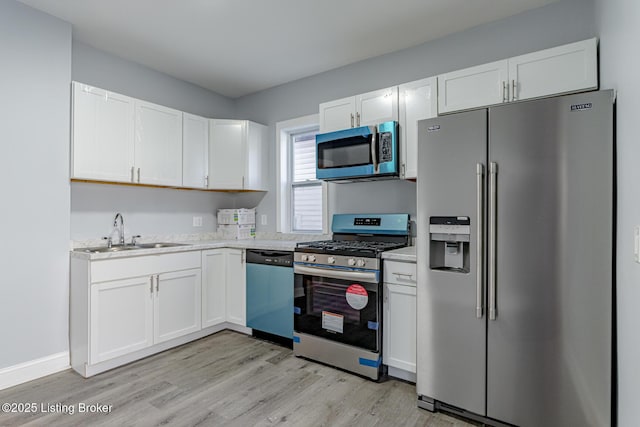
(237, 231)
(237, 216)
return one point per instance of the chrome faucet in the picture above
(120, 227)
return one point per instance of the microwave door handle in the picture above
(374, 148)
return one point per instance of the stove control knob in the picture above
(304, 258)
(360, 263)
(312, 258)
(351, 261)
(331, 260)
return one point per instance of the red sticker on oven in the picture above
(357, 296)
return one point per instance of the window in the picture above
(306, 190)
(301, 197)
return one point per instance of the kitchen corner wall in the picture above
(617, 22)
(146, 211)
(34, 165)
(562, 22)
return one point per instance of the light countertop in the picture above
(286, 245)
(406, 254)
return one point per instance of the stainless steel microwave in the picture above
(366, 152)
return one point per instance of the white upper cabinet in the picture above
(473, 87)
(563, 69)
(227, 153)
(237, 155)
(361, 110)
(569, 68)
(338, 114)
(417, 101)
(256, 165)
(103, 134)
(195, 151)
(158, 145)
(377, 107)
(122, 139)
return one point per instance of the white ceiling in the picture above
(237, 47)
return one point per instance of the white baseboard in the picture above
(33, 369)
(402, 374)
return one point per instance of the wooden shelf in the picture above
(133, 184)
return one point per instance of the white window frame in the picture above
(284, 130)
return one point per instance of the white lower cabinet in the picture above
(224, 288)
(399, 334)
(127, 308)
(214, 287)
(123, 309)
(121, 318)
(177, 304)
(132, 314)
(236, 287)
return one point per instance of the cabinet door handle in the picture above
(243, 182)
(403, 274)
(514, 88)
(206, 181)
(504, 92)
(138, 174)
(357, 119)
(151, 285)
(132, 168)
(404, 171)
(351, 119)
(157, 283)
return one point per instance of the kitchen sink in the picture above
(119, 248)
(159, 245)
(102, 249)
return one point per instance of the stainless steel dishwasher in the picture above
(270, 294)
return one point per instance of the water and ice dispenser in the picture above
(449, 238)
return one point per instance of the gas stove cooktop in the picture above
(365, 248)
(362, 235)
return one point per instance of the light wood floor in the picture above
(226, 379)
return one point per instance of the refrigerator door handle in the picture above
(493, 203)
(480, 240)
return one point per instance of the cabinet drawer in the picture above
(402, 273)
(122, 268)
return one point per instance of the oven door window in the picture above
(336, 309)
(347, 152)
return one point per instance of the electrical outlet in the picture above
(197, 221)
(263, 219)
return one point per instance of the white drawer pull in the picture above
(403, 274)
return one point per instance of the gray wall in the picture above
(102, 69)
(34, 257)
(563, 22)
(619, 64)
(147, 211)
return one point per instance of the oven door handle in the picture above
(333, 273)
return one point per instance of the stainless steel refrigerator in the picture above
(515, 262)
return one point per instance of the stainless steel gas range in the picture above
(338, 292)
